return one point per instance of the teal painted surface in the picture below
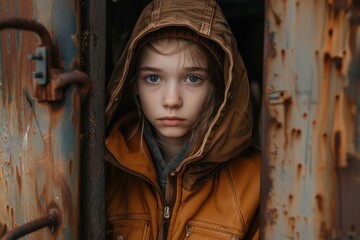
(62, 17)
(39, 141)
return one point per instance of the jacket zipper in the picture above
(170, 197)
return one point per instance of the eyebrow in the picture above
(192, 69)
(152, 69)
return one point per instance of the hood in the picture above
(230, 132)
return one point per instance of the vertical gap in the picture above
(246, 20)
(93, 62)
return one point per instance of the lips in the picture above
(171, 121)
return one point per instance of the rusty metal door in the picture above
(40, 98)
(311, 144)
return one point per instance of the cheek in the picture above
(147, 102)
(200, 102)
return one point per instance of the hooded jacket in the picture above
(212, 194)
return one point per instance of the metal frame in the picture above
(93, 41)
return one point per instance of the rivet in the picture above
(120, 237)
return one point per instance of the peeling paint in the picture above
(39, 141)
(311, 120)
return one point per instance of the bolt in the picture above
(35, 57)
(37, 75)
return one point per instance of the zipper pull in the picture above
(166, 212)
(188, 231)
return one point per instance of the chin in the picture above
(173, 133)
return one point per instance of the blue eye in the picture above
(152, 79)
(193, 79)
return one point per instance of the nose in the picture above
(172, 96)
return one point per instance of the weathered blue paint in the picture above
(311, 166)
(65, 22)
(62, 17)
(39, 141)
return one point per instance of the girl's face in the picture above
(173, 85)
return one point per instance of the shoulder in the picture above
(248, 160)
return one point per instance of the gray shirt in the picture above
(162, 168)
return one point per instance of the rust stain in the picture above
(272, 216)
(292, 223)
(319, 202)
(327, 59)
(76, 103)
(339, 141)
(2, 174)
(330, 32)
(56, 111)
(18, 180)
(283, 52)
(299, 168)
(316, 53)
(12, 215)
(270, 45)
(338, 61)
(70, 166)
(293, 132)
(67, 202)
(290, 199)
(278, 125)
(276, 17)
(287, 108)
(6, 186)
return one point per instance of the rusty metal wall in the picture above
(311, 142)
(39, 141)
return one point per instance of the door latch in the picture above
(49, 79)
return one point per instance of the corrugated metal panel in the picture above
(39, 141)
(311, 147)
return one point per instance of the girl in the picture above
(180, 164)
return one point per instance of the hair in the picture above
(213, 101)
